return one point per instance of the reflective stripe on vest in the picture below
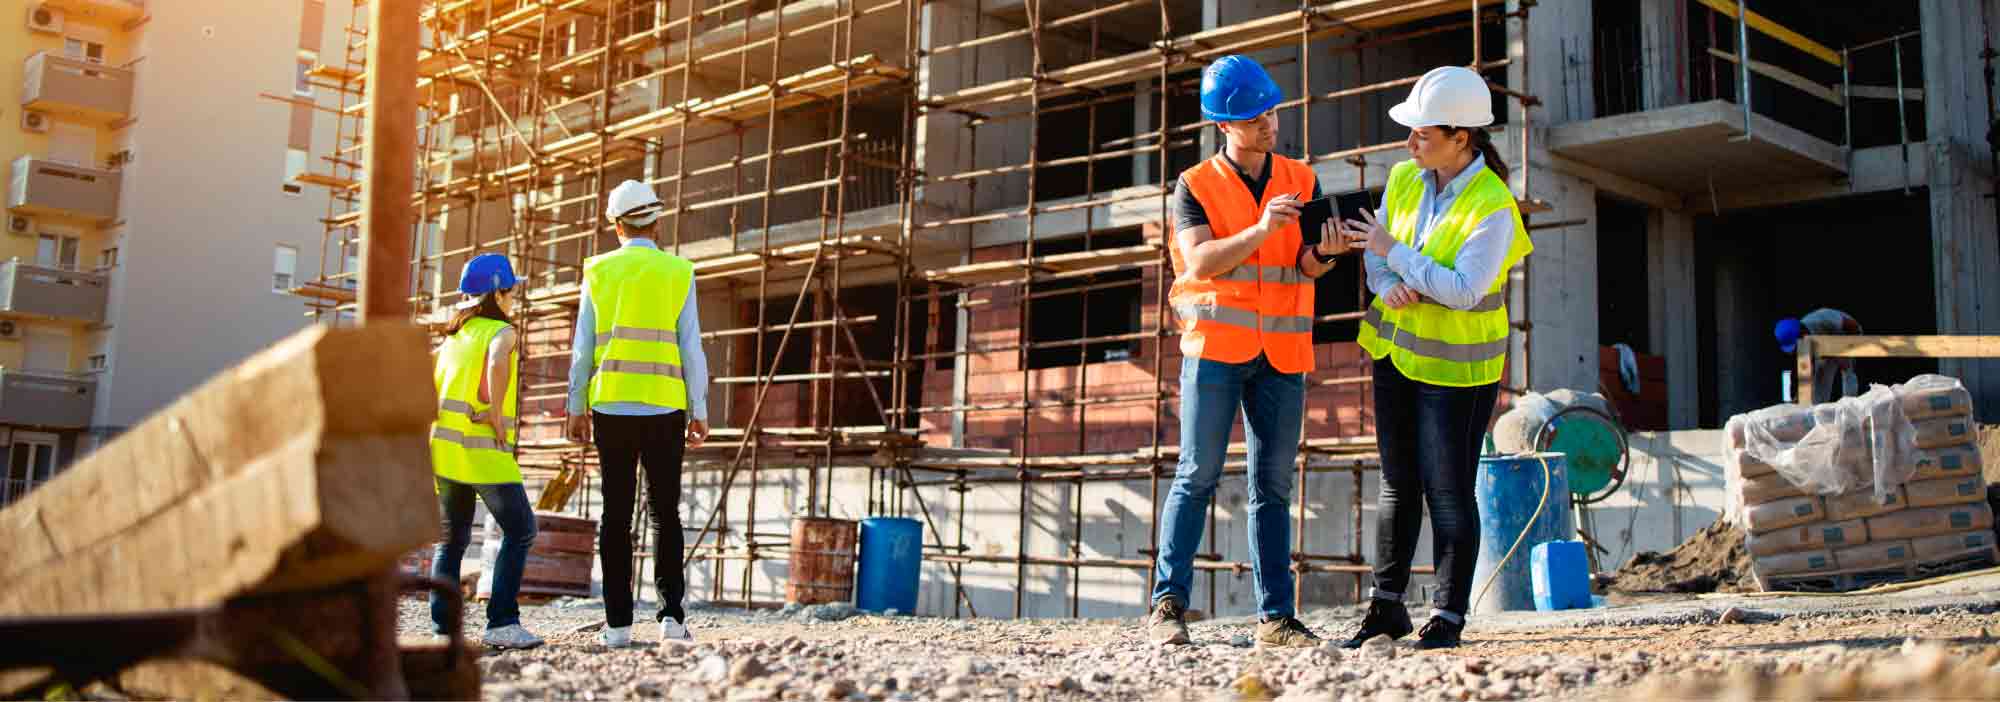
(1429, 342)
(1263, 305)
(463, 450)
(458, 437)
(637, 294)
(1244, 318)
(465, 408)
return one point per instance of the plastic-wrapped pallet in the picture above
(1882, 488)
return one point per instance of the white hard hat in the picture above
(632, 202)
(1451, 96)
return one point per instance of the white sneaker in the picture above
(672, 630)
(616, 636)
(511, 636)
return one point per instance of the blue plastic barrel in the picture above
(1561, 575)
(892, 552)
(1507, 490)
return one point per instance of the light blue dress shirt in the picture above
(694, 363)
(1459, 286)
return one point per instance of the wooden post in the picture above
(1802, 386)
(389, 158)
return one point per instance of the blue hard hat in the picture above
(486, 273)
(1788, 332)
(1235, 88)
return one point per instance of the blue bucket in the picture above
(1508, 489)
(892, 554)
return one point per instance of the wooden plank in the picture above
(1935, 346)
(1883, 92)
(1802, 83)
(282, 473)
(1776, 31)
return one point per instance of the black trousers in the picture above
(1430, 437)
(624, 443)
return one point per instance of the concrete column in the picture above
(1557, 33)
(941, 146)
(1665, 47)
(1562, 287)
(1740, 330)
(1963, 228)
(1673, 312)
(1561, 276)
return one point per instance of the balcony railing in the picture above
(61, 84)
(47, 187)
(41, 291)
(46, 399)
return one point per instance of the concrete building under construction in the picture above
(928, 238)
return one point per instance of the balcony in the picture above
(52, 293)
(45, 399)
(62, 85)
(47, 187)
(114, 12)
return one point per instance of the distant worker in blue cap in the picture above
(472, 445)
(1824, 321)
(1243, 292)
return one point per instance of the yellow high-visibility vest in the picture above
(638, 293)
(462, 450)
(1429, 342)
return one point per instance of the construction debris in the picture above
(1713, 560)
(285, 478)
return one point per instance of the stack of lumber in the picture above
(1937, 522)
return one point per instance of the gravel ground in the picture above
(827, 652)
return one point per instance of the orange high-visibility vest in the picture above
(1264, 304)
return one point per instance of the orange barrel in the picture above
(822, 560)
(559, 562)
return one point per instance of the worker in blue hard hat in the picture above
(472, 445)
(1824, 321)
(1243, 292)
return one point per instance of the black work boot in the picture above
(1439, 633)
(1385, 618)
(1167, 624)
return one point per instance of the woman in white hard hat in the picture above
(1437, 256)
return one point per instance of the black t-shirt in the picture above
(1188, 211)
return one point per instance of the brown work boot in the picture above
(1287, 632)
(1167, 625)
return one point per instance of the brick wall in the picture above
(996, 378)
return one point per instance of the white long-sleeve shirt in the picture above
(1461, 285)
(687, 332)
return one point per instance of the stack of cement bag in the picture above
(1881, 488)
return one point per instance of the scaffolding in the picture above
(762, 124)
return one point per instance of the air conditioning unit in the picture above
(20, 225)
(34, 121)
(9, 330)
(42, 18)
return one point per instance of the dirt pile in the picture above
(1713, 560)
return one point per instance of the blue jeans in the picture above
(509, 504)
(1272, 405)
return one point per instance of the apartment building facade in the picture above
(153, 226)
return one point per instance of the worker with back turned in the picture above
(472, 445)
(638, 387)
